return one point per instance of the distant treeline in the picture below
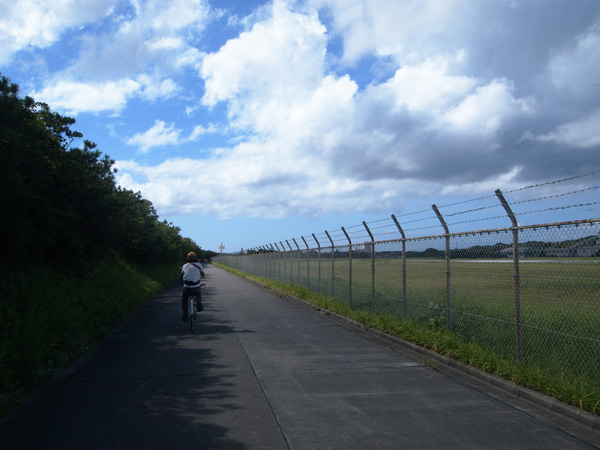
(585, 246)
(60, 203)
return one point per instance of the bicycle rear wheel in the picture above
(192, 313)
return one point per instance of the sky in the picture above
(248, 122)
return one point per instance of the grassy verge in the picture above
(583, 393)
(50, 318)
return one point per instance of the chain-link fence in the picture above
(529, 293)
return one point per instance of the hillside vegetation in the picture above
(79, 253)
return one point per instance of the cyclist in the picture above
(191, 273)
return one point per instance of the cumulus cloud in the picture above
(29, 24)
(318, 143)
(389, 27)
(473, 94)
(248, 181)
(581, 133)
(75, 97)
(411, 87)
(201, 130)
(138, 52)
(486, 110)
(281, 55)
(162, 135)
(154, 88)
(576, 68)
(149, 34)
(159, 135)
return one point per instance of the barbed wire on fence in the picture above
(485, 210)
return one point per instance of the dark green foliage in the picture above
(72, 244)
(49, 319)
(61, 204)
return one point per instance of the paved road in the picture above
(262, 372)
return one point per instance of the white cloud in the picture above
(327, 108)
(389, 27)
(121, 60)
(426, 87)
(200, 130)
(279, 58)
(75, 97)
(154, 88)
(311, 131)
(249, 180)
(273, 80)
(575, 69)
(507, 180)
(581, 133)
(174, 15)
(165, 43)
(159, 135)
(316, 136)
(155, 34)
(33, 23)
(486, 110)
(190, 57)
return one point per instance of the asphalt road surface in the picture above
(266, 372)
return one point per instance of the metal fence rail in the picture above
(529, 293)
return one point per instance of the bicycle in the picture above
(192, 308)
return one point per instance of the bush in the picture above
(51, 318)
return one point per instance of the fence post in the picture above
(307, 263)
(297, 260)
(403, 265)
(318, 259)
(284, 262)
(263, 259)
(278, 262)
(372, 245)
(517, 282)
(349, 268)
(332, 265)
(271, 262)
(254, 262)
(291, 264)
(275, 258)
(448, 296)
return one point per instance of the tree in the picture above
(62, 202)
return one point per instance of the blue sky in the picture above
(251, 122)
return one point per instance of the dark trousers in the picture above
(186, 294)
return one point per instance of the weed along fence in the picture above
(530, 293)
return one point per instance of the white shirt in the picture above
(191, 272)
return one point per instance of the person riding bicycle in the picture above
(191, 273)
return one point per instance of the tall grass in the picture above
(50, 318)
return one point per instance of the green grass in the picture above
(560, 312)
(50, 319)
